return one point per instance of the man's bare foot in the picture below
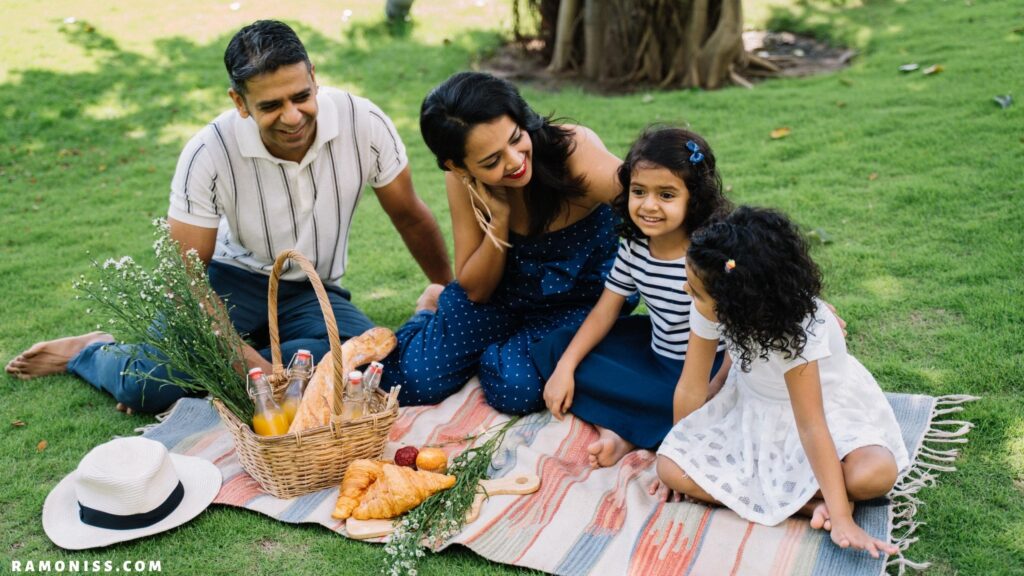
(52, 356)
(608, 449)
(428, 300)
(121, 407)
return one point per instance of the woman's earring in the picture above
(484, 221)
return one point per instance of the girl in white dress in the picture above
(800, 426)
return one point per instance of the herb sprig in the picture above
(443, 515)
(175, 319)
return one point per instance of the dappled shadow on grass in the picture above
(86, 157)
(827, 20)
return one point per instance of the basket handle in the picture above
(325, 308)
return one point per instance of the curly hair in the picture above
(467, 99)
(665, 146)
(764, 300)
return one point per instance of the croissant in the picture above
(398, 490)
(318, 399)
(359, 476)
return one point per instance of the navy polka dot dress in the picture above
(549, 282)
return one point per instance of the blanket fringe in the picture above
(933, 457)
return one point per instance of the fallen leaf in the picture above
(1004, 101)
(102, 168)
(780, 133)
(933, 69)
(42, 445)
(647, 99)
(873, 176)
(909, 67)
(819, 236)
(728, 189)
(18, 423)
(840, 104)
(846, 82)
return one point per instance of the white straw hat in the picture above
(126, 489)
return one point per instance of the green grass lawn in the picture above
(918, 181)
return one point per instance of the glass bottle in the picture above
(355, 399)
(371, 381)
(299, 371)
(268, 419)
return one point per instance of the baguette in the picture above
(318, 400)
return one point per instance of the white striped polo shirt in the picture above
(660, 284)
(261, 204)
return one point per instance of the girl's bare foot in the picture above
(428, 300)
(608, 449)
(52, 356)
(820, 518)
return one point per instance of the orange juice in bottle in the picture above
(355, 400)
(269, 419)
(299, 371)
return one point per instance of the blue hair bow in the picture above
(696, 157)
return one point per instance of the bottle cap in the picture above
(256, 372)
(355, 376)
(304, 354)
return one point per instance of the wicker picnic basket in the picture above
(298, 463)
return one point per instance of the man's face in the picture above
(283, 104)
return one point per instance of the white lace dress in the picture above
(743, 447)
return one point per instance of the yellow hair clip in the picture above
(729, 265)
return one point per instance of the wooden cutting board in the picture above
(522, 484)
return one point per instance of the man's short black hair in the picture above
(261, 47)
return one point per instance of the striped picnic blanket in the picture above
(599, 521)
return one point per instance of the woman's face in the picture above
(499, 153)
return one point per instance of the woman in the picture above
(534, 236)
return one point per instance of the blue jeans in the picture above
(114, 368)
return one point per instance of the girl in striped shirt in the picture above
(619, 372)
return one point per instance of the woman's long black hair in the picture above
(665, 146)
(467, 99)
(764, 300)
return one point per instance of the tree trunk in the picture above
(669, 43)
(594, 27)
(565, 31)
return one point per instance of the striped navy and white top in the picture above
(660, 284)
(261, 204)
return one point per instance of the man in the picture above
(284, 169)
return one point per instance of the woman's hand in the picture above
(846, 534)
(491, 202)
(558, 391)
